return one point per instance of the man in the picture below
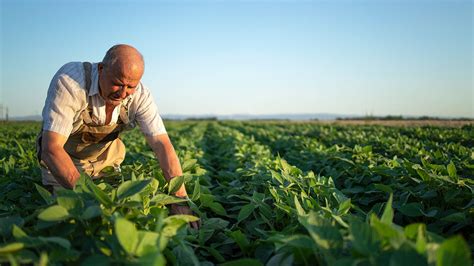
(87, 107)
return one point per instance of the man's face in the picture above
(116, 83)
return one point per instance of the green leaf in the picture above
(452, 171)
(45, 194)
(387, 216)
(18, 233)
(296, 241)
(421, 172)
(387, 232)
(430, 213)
(181, 217)
(127, 235)
(365, 239)
(277, 176)
(175, 184)
(324, 233)
(175, 222)
(215, 224)
(344, 207)
(241, 240)
(207, 200)
(215, 254)
(217, 208)
(185, 255)
(406, 255)
(457, 217)
(130, 188)
(147, 242)
(454, 251)
(11, 247)
(43, 261)
(91, 212)
(154, 185)
(101, 196)
(299, 209)
(411, 209)
(418, 233)
(154, 258)
(243, 262)
(164, 199)
(71, 201)
(412, 230)
(245, 212)
(6, 224)
(53, 214)
(282, 258)
(57, 240)
(383, 188)
(197, 190)
(188, 164)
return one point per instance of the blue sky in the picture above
(254, 57)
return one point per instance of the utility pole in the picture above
(1, 111)
(6, 116)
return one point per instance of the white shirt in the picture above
(67, 98)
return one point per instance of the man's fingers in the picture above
(195, 225)
(176, 209)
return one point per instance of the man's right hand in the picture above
(57, 159)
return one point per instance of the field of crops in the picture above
(266, 193)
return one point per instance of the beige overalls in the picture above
(92, 147)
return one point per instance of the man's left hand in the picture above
(180, 209)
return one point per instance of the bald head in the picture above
(120, 73)
(124, 59)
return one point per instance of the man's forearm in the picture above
(169, 163)
(171, 168)
(168, 159)
(61, 166)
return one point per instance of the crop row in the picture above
(255, 207)
(431, 181)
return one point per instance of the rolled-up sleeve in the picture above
(147, 114)
(63, 101)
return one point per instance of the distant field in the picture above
(267, 193)
(411, 123)
(395, 123)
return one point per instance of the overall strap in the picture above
(88, 75)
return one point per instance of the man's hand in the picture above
(180, 209)
(169, 163)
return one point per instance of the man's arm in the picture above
(57, 160)
(169, 162)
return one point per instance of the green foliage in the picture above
(454, 251)
(265, 194)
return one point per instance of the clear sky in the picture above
(254, 57)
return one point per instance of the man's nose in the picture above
(124, 92)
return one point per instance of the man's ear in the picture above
(100, 67)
